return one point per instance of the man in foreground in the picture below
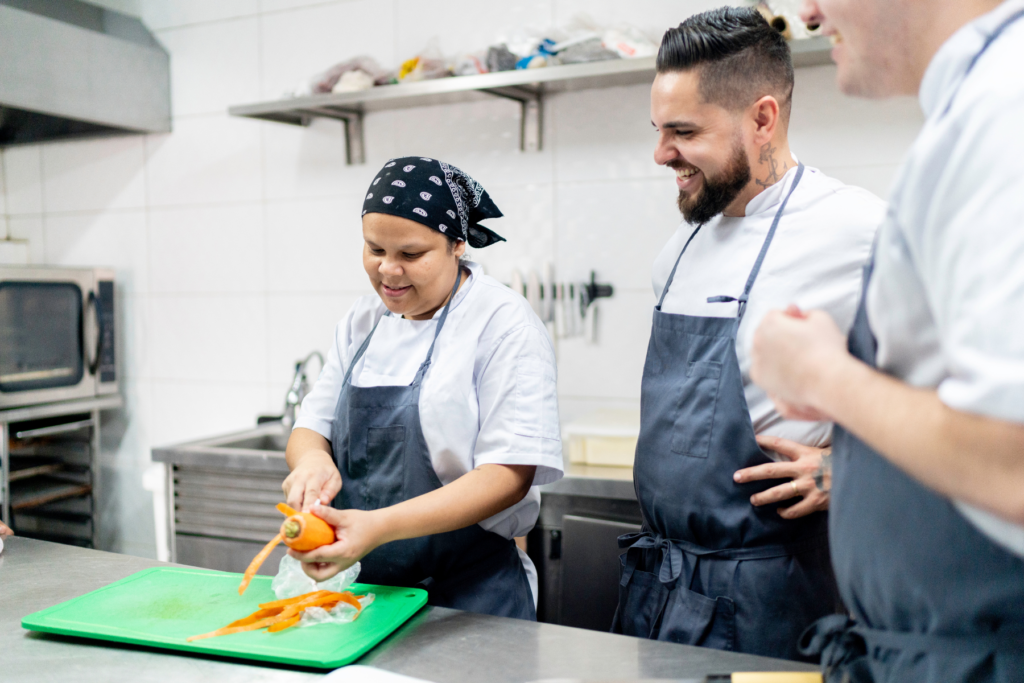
(927, 524)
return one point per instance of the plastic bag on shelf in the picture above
(353, 81)
(328, 80)
(629, 41)
(471, 64)
(291, 581)
(427, 65)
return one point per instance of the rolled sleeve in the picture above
(519, 405)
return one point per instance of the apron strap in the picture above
(440, 323)
(672, 275)
(426, 363)
(745, 296)
(672, 552)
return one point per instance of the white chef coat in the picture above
(815, 261)
(946, 301)
(488, 397)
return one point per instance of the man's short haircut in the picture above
(741, 58)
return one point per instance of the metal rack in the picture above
(49, 469)
(528, 87)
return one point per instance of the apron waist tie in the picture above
(840, 641)
(672, 552)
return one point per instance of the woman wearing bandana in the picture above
(435, 416)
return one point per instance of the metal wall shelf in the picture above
(528, 87)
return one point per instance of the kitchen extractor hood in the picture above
(71, 69)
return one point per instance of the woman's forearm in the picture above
(472, 498)
(303, 442)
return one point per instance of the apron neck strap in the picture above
(440, 323)
(672, 275)
(430, 353)
(745, 296)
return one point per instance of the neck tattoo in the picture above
(774, 172)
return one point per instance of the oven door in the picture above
(45, 330)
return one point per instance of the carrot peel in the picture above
(286, 509)
(254, 566)
(283, 614)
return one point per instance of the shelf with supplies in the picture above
(526, 86)
(49, 469)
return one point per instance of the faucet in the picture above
(298, 390)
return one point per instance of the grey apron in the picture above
(383, 458)
(709, 568)
(932, 598)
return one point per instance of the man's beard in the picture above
(717, 193)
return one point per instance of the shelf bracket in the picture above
(531, 114)
(355, 142)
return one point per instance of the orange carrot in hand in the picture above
(305, 532)
(254, 566)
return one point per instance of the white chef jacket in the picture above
(946, 301)
(815, 261)
(488, 397)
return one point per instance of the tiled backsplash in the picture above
(237, 242)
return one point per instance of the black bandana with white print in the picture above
(435, 194)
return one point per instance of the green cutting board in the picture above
(161, 607)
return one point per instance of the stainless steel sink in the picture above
(261, 448)
(258, 442)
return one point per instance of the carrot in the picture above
(305, 532)
(351, 599)
(227, 630)
(282, 625)
(256, 616)
(285, 510)
(295, 600)
(254, 566)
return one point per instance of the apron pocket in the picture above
(695, 619)
(383, 467)
(695, 415)
(641, 602)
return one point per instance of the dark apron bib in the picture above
(932, 598)
(709, 568)
(383, 458)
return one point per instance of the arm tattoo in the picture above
(768, 157)
(823, 475)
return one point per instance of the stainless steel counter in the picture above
(437, 644)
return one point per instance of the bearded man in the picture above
(734, 551)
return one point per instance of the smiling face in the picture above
(871, 44)
(703, 143)
(411, 267)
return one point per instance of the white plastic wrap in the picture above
(291, 581)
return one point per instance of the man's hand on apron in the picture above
(314, 480)
(809, 472)
(358, 532)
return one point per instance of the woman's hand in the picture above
(808, 468)
(5, 531)
(314, 480)
(357, 532)
(315, 477)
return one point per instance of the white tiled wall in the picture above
(237, 243)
